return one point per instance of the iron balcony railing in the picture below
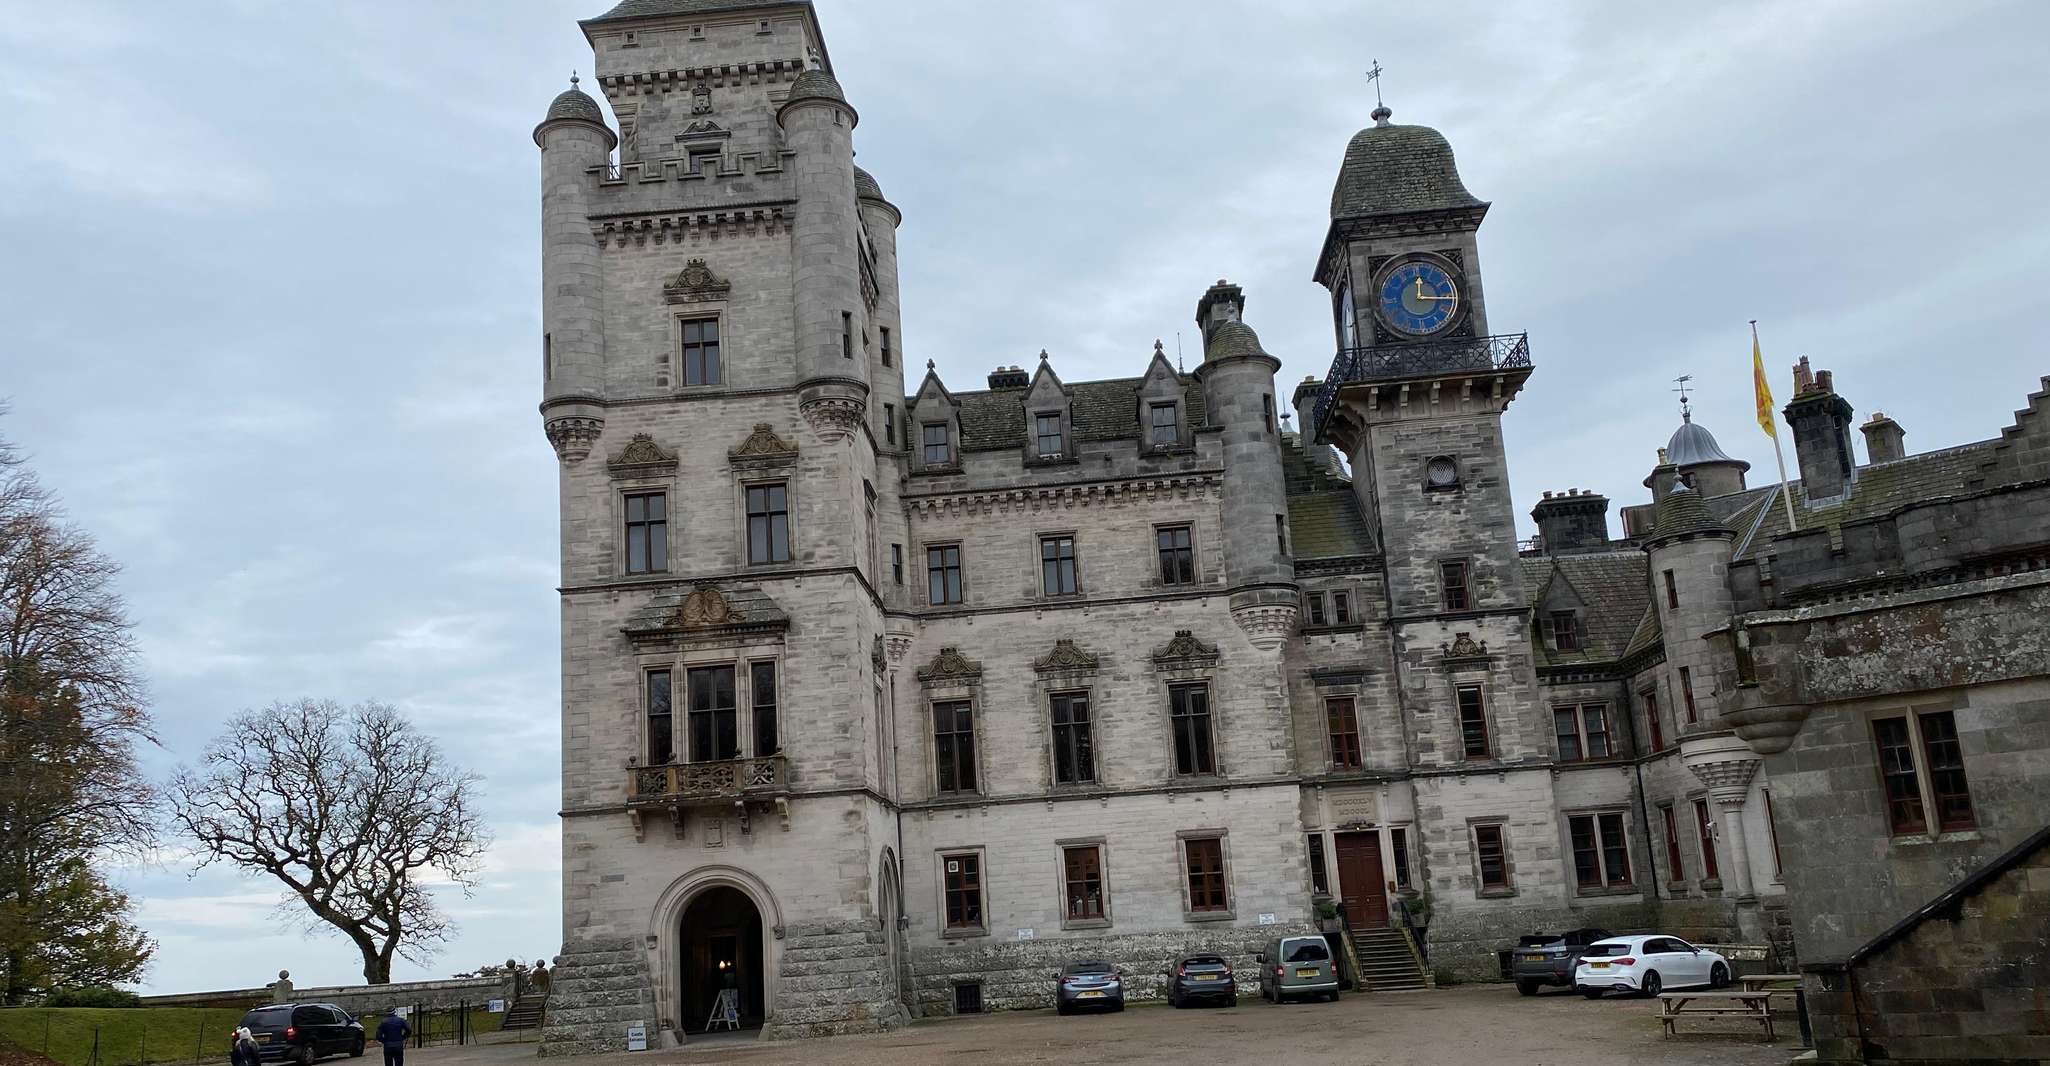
(1393, 362)
(722, 781)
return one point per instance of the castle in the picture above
(883, 698)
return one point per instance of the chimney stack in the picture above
(1572, 521)
(1885, 440)
(1322, 456)
(1008, 377)
(1822, 433)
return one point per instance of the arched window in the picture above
(1348, 318)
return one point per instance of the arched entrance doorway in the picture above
(889, 905)
(720, 941)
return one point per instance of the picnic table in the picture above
(1750, 1005)
(1768, 982)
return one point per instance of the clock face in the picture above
(1418, 298)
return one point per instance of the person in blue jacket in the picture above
(392, 1033)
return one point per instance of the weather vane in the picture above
(1374, 75)
(1683, 379)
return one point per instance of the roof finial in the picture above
(1685, 414)
(928, 364)
(1381, 113)
(572, 79)
(1042, 355)
(1156, 348)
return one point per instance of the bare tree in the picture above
(353, 810)
(71, 714)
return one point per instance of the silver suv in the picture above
(1297, 966)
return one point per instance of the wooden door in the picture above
(1362, 890)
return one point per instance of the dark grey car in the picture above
(302, 1032)
(1202, 979)
(1092, 983)
(1549, 958)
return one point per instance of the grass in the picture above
(127, 1035)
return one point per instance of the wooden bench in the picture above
(1752, 1006)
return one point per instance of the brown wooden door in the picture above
(1363, 892)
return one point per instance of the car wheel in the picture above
(1118, 1007)
(1718, 976)
(356, 1051)
(1334, 995)
(1652, 984)
(1591, 993)
(1528, 988)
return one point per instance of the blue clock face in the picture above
(1418, 298)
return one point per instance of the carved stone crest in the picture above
(694, 283)
(641, 456)
(950, 665)
(1463, 646)
(1185, 650)
(701, 101)
(763, 443)
(705, 606)
(1065, 656)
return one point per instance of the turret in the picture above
(573, 139)
(1688, 553)
(1700, 461)
(886, 351)
(1238, 391)
(831, 317)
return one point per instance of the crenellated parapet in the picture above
(691, 79)
(618, 232)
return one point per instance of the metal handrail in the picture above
(1393, 362)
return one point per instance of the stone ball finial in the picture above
(284, 975)
(511, 963)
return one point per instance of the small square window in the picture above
(1047, 435)
(1164, 427)
(939, 450)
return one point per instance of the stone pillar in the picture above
(281, 989)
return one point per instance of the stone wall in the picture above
(1018, 975)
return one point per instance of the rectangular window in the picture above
(1473, 722)
(1341, 608)
(1083, 871)
(1772, 829)
(1281, 532)
(701, 351)
(1492, 856)
(1946, 762)
(1398, 841)
(1704, 827)
(1046, 432)
(1687, 693)
(1452, 583)
(1177, 555)
(1342, 722)
(1164, 426)
(1657, 734)
(890, 424)
(1672, 591)
(1206, 874)
(1897, 773)
(768, 524)
(1074, 752)
(885, 331)
(938, 451)
(714, 717)
(1601, 853)
(1190, 711)
(1315, 602)
(762, 683)
(1267, 411)
(1676, 870)
(647, 533)
(943, 574)
(897, 563)
(1320, 880)
(1057, 566)
(964, 890)
(1583, 732)
(846, 334)
(1565, 631)
(661, 727)
(953, 745)
(547, 357)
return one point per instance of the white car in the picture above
(1647, 964)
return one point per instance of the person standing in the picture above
(392, 1033)
(243, 1051)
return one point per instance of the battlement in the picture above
(698, 182)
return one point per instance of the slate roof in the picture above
(1397, 168)
(640, 9)
(1614, 591)
(1880, 489)
(1323, 514)
(813, 85)
(994, 419)
(865, 186)
(577, 104)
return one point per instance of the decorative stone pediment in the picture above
(1065, 658)
(696, 283)
(763, 446)
(950, 667)
(702, 129)
(708, 616)
(1185, 652)
(641, 457)
(706, 606)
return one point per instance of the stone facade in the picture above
(882, 701)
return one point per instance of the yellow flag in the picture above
(1758, 386)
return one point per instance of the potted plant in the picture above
(1327, 917)
(1418, 906)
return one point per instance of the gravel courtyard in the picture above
(1470, 1025)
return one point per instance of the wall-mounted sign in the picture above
(637, 1038)
(1024, 934)
(1266, 918)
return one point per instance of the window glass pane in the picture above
(1343, 724)
(762, 684)
(661, 739)
(1319, 880)
(1084, 882)
(964, 890)
(1615, 849)
(1897, 774)
(1190, 710)
(1494, 867)
(1566, 724)
(1710, 867)
(1587, 866)
(1473, 723)
(714, 714)
(1398, 838)
(1676, 870)
(954, 746)
(1206, 874)
(1594, 720)
(1946, 761)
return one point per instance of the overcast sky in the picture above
(270, 296)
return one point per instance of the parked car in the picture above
(1647, 964)
(302, 1032)
(1202, 978)
(1297, 966)
(1550, 958)
(1091, 983)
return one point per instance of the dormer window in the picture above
(1562, 630)
(1046, 434)
(1164, 425)
(939, 450)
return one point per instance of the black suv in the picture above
(302, 1032)
(1549, 958)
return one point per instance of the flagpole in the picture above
(1786, 494)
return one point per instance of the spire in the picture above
(1380, 114)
